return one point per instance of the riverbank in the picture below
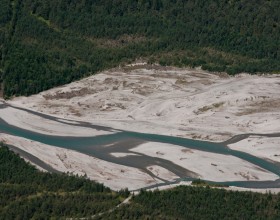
(112, 175)
(189, 103)
(229, 188)
(208, 166)
(264, 147)
(26, 120)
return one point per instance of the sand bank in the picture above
(263, 147)
(189, 103)
(209, 166)
(112, 175)
(25, 120)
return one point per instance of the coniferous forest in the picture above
(199, 203)
(48, 43)
(26, 193)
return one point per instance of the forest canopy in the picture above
(48, 43)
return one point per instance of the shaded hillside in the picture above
(49, 43)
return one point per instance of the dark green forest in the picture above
(199, 203)
(26, 193)
(48, 43)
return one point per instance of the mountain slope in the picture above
(55, 42)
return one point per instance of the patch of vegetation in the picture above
(200, 182)
(209, 107)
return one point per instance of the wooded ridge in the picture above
(48, 43)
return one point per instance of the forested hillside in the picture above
(199, 203)
(26, 193)
(49, 43)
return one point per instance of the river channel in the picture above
(122, 141)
